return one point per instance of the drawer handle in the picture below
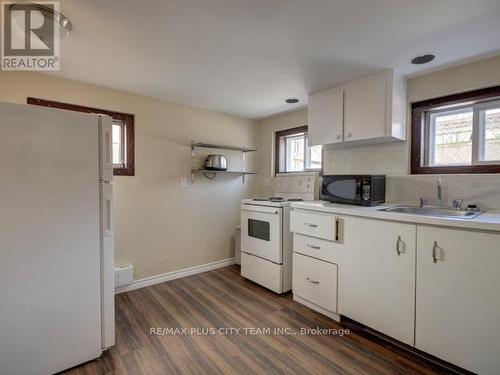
(314, 247)
(311, 225)
(312, 281)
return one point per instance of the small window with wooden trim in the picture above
(457, 133)
(122, 135)
(293, 154)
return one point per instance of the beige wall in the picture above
(161, 227)
(393, 159)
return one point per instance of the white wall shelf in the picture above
(242, 149)
(222, 147)
(240, 173)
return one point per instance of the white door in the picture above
(261, 232)
(377, 276)
(326, 117)
(458, 300)
(365, 108)
(50, 315)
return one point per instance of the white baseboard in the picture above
(313, 306)
(157, 279)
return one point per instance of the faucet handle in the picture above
(457, 204)
(424, 202)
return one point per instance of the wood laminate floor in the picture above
(222, 299)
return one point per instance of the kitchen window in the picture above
(457, 134)
(122, 134)
(293, 154)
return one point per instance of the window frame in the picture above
(420, 136)
(278, 155)
(126, 118)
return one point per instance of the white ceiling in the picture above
(246, 56)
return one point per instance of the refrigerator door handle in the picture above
(107, 147)
(108, 216)
(106, 150)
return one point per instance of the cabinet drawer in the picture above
(315, 247)
(314, 224)
(262, 272)
(315, 281)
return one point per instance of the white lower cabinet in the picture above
(458, 297)
(377, 276)
(315, 281)
(434, 288)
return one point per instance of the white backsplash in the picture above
(483, 190)
(296, 186)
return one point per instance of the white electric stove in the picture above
(266, 241)
(271, 202)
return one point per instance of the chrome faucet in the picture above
(439, 202)
(424, 202)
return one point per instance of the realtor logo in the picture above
(30, 36)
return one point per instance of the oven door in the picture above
(261, 232)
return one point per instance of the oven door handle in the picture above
(262, 212)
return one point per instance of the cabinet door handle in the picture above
(398, 242)
(339, 136)
(312, 281)
(314, 247)
(311, 225)
(434, 252)
(349, 135)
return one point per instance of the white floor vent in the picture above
(124, 275)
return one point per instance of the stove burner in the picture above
(276, 199)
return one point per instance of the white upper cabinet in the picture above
(326, 117)
(365, 108)
(367, 111)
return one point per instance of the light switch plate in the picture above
(183, 182)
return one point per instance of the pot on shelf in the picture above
(215, 162)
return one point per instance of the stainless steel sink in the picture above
(434, 211)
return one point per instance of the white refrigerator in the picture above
(56, 239)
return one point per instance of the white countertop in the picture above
(488, 221)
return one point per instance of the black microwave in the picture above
(363, 190)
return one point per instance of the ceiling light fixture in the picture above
(61, 19)
(423, 59)
(292, 100)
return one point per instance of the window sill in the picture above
(474, 169)
(290, 174)
(127, 171)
